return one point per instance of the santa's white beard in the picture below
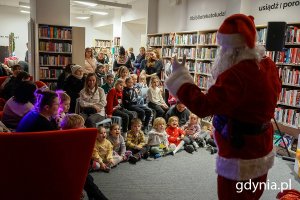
(227, 57)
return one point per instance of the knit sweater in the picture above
(156, 139)
(174, 134)
(134, 139)
(93, 98)
(103, 151)
(118, 144)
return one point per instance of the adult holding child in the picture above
(242, 100)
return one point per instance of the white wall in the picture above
(131, 36)
(279, 12)
(171, 18)
(12, 20)
(90, 32)
(138, 11)
(178, 18)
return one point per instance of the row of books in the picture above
(102, 43)
(289, 75)
(167, 52)
(55, 32)
(206, 53)
(55, 47)
(46, 73)
(116, 41)
(289, 56)
(186, 39)
(202, 81)
(190, 65)
(55, 60)
(207, 38)
(155, 41)
(189, 52)
(169, 39)
(290, 97)
(290, 117)
(203, 67)
(292, 34)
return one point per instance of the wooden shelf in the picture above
(284, 128)
(59, 39)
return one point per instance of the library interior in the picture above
(149, 99)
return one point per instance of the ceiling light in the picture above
(86, 3)
(82, 17)
(24, 5)
(99, 12)
(25, 11)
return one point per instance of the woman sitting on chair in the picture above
(92, 101)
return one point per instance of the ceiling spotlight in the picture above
(82, 17)
(86, 3)
(24, 5)
(25, 11)
(99, 12)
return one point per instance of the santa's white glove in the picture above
(176, 65)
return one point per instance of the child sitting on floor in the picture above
(136, 142)
(177, 136)
(103, 156)
(158, 139)
(117, 140)
(193, 131)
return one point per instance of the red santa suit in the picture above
(242, 100)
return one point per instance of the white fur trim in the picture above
(240, 170)
(230, 40)
(177, 79)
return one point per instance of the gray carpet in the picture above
(180, 177)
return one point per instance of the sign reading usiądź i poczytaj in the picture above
(277, 5)
(205, 16)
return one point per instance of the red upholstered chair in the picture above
(45, 165)
(2, 79)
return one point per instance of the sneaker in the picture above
(213, 150)
(196, 146)
(157, 156)
(132, 160)
(189, 148)
(146, 155)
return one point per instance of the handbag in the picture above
(89, 110)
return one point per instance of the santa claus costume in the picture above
(242, 100)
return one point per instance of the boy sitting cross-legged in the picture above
(136, 142)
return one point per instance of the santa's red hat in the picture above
(237, 30)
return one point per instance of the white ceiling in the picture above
(74, 7)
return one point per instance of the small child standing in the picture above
(117, 140)
(158, 139)
(103, 157)
(177, 136)
(136, 142)
(64, 105)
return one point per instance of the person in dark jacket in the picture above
(121, 60)
(74, 84)
(179, 110)
(130, 102)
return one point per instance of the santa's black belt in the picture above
(244, 128)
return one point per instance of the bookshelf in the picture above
(200, 48)
(287, 112)
(55, 47)
(54, 51)
(100, 44)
